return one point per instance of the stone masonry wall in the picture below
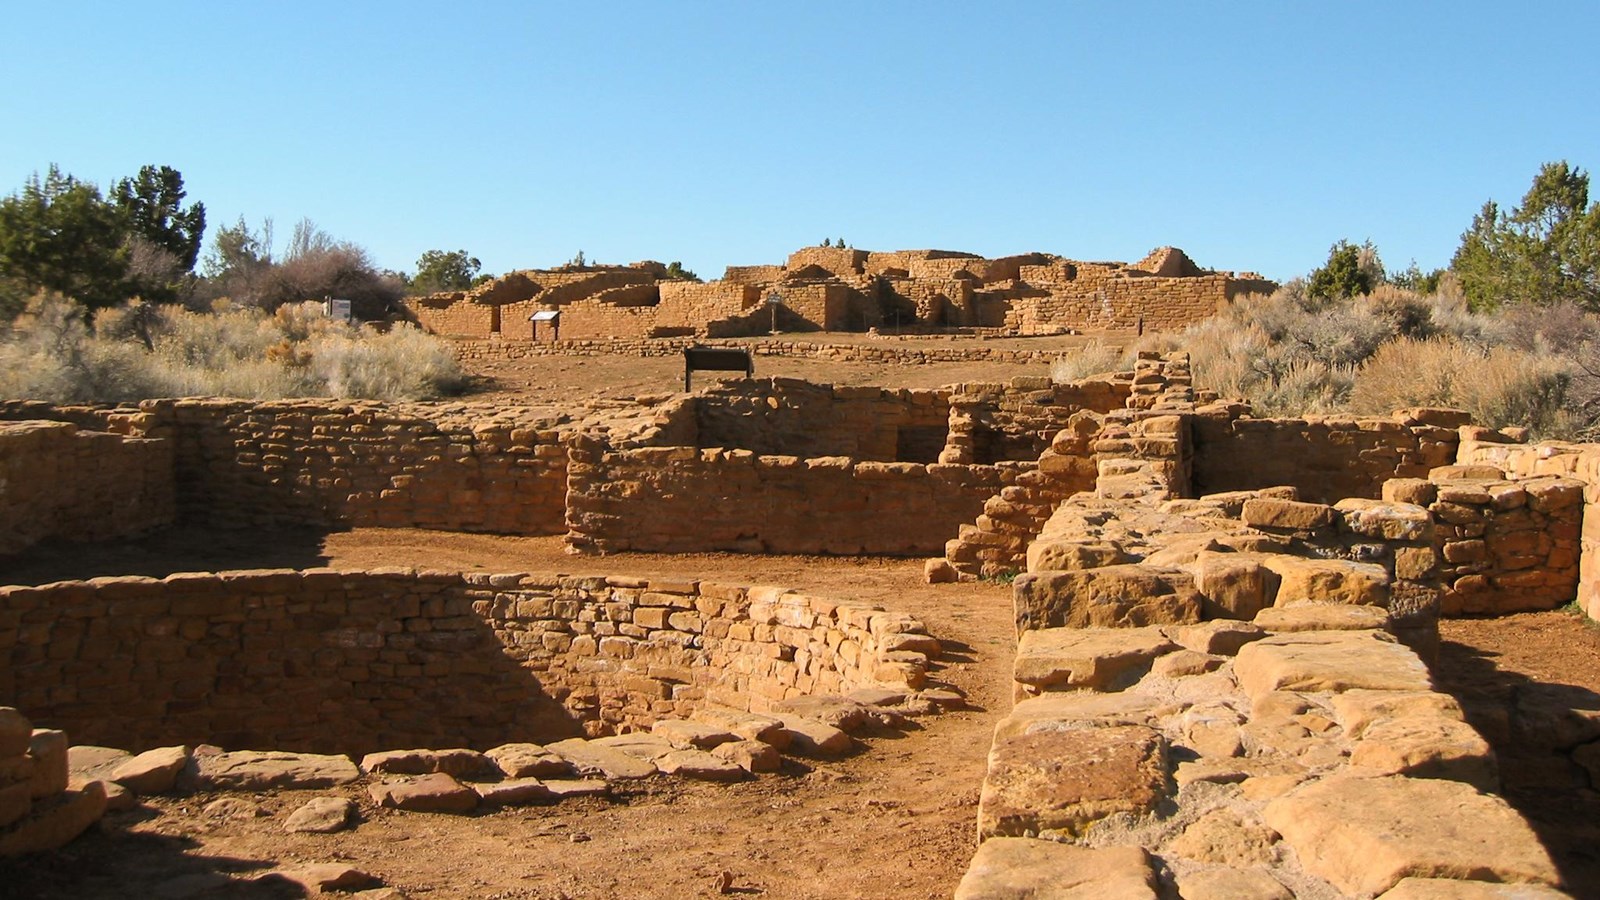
(897, 353)
(791, 416)
(683, 500)
(341, 661)
(60, 482)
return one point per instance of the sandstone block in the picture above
(514, 792)
(427, 793)
(582, 787)
(1358, 709)
(840, 712)
(456, 761)
(1101, 659)
(1048, 555)
(1286, 515)
(252, 770)
(1224, 883)
(153, 771)
(1365, 834)
(529, 761)
(1018, 868)
(1428, 747)
(54, 821)
(752, 756)
(1303, 580)
(1386, 520)
(1222, 637)
(1183, 663)
(1416, 491)
(1233, 585)
(697, 735)
(1057, 784)
(1450, 889)
(1306, 617)
(16, 798)
(321, 815)
(747, 725)
(331, 878)
(1224, 837)
(699, 765)
(15, 732)
(590, 759)
(89, 763)
(940, 571)
(1110, 597)
(1076, 709)
(1329, 661)
(808, 737)
(48, 750)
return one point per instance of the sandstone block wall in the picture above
(1018, 419)
(1325, 458)
(1577, 461)
(897, 350)
(798, 418)
(341, 661)
(60, 482)
(683, 500)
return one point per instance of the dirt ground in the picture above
(894, 820)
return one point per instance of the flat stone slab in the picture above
(89, 763)
(582, 787)
(252, 770)
(752, 756)
(699, 765)
(460, 762)
(1321, 617)
(1385, 519)
(321, 815)
(529, 761)
(1329, 661)
(698, 735)
(153, 771)
(1101, 659)
(638, 744)
(1365, 834)
(748, 725)
(590, 759)
(840, 712)
(1076, 709)
(808, 737)
(1428, 747)
(516, 792)
(1018, 868)
(52, 822)
(1358, 709)
(1302, 580)
(438, 793)
(1224, 883)
(1446, 889)
(1058, 783)
(1222, 637)
(1285, 515)
(1128, 596)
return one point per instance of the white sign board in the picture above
(337, 309)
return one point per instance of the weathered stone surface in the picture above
(1321, 617)
(1450, 889)
(747, 725)
(638, 744)
(1058, 783)
(1365, 834)
(427, 793)
(1077, 709)
(460, 762)
(1386, 520)
(1018, 868)
(840, 712)
(699, 765)
(940, 571)
(1329, 661)
(321, 815)
(515, 792)
(1428, 747)
(1231, 884)
(581, 787)
(54, 821)
(233, 808)
(1286, 515)
(590, 759)
(47, 747)
(1233, 585)
(1223, 836)
(1047, 555)
(1183, 663)
(808, 737)
(1358, 709)
(752, 756)
(1112, 597)
(1302, 580)
(88, 763)
(253, 770)
(1102, 659)
(698, 735)
(153, 771)
(1559, 716)
(529, 761)
(16, 731)
(1223, 637)
(1234, 770)
(331, 877)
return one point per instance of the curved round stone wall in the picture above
(353, 661)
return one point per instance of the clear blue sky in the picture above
(1253, 135)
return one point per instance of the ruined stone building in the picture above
(844, 289)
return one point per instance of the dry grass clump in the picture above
(138, 351)
(1500, 385)
(1094, 358)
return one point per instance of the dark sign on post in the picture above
(716, 359)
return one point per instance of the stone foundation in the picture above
(60, 482)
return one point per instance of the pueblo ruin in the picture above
(1221, 680)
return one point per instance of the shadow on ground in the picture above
(1533, 727)
(178, 549)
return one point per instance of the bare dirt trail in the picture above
(896, 819)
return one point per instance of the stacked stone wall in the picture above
(790, 416)
(490, 350)
(683, 500)
(1123, 303)
(63, 483)
(341, 661)
(452, 315)
(836, 261)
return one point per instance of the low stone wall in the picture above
(342, 661)
(496, 350)
(791, 416)
(683, 500)
(60, 482)
(1577, 461)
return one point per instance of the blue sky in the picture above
(1252, 135)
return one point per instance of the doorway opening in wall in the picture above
(919, 443)
(494, 320)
